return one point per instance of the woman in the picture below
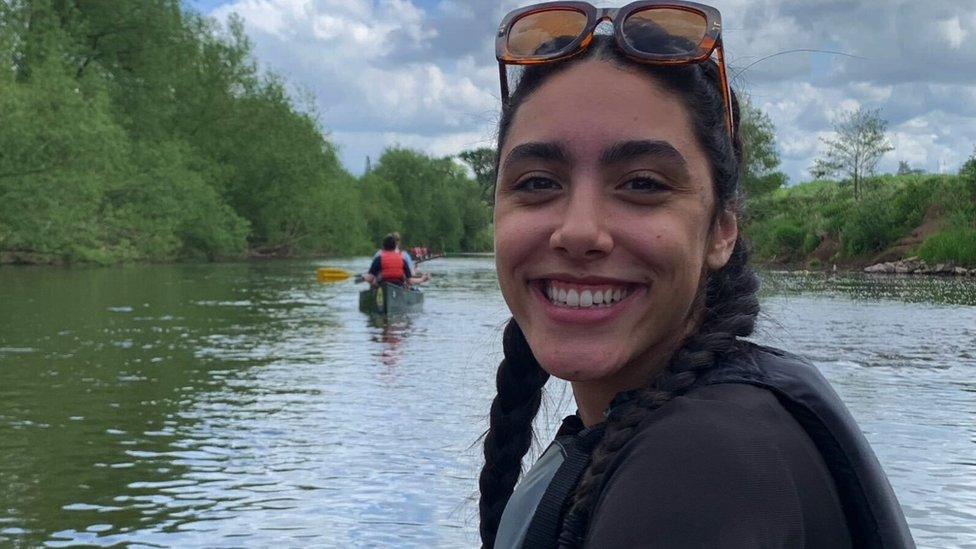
(619, 255)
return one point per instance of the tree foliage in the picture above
(140, 130)
(761, 159)
(432, 201)
(859, 144)
(482, 163)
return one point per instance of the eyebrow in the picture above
(619, 152)
(538, 151)
(627, 150)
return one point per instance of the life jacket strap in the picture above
(547, 521)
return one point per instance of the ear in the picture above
(721, 241)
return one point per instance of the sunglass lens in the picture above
(665, 31)
(545, 32)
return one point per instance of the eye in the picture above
(644, 183)
(536, 183)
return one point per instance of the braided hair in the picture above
(729, 308)
(519, 384)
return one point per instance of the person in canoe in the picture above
(405, 253)
(392, 266)
(618, 253)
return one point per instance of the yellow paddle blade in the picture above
(331, 274)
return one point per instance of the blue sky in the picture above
(421, 73)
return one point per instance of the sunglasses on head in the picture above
(655, 32)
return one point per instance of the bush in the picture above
(912, 198)
(810, 242)
(789, 239)
(870, 228)
(956, 245)
(781, 239)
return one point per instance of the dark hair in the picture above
(728, 295)
(389, 242)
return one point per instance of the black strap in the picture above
(543, 532)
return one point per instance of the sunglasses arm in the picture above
(503, 79)
(726, 89)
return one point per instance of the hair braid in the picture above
(519, 384)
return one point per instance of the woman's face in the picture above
(603, 224)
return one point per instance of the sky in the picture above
(422, 73)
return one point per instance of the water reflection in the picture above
(390, 332)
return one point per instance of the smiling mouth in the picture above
(584, 296)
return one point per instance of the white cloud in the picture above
(422, 73)
(953, 32)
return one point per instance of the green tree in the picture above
(141, 130)
(859, 144)
(60, 149)
(382, 206)
(167, 211)
(761, 159)
(482, 163)
(439, 206)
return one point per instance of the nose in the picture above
(582, 233)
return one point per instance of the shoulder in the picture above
(724, 462)
(727, 428)
(760, 363)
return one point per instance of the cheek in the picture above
(517, 239)
(667, 244)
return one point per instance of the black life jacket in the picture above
(533, 517)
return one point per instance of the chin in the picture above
(578, 362)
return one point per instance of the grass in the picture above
(786, 226)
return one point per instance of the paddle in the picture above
(333, 274)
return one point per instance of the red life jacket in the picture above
(391, 267)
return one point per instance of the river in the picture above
(229, 405)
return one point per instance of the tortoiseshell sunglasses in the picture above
(656, 32)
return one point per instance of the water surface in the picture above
(246, 405)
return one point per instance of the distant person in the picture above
(404, 253)
(391, 266)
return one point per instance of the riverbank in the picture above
(817, 225)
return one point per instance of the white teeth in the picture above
(572, 298)
(586, 298)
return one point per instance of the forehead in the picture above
(595, 104)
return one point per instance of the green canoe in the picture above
(390, 299)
